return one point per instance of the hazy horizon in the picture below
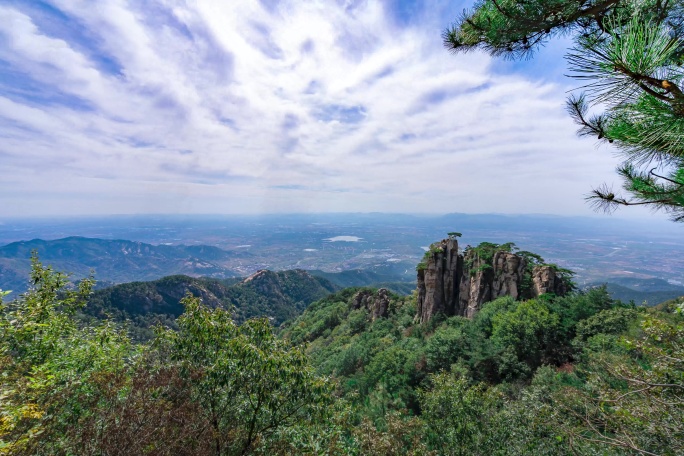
(390, 244)
(76, 225)
(656, 218)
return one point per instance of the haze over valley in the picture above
(387, 245)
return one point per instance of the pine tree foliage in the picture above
(628, 55)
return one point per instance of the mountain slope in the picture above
(276, 295)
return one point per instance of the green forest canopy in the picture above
(580, 374)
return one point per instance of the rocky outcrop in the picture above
(376, 302)
(439, 281)
(456, 284)
(509, 270)
(545, 279)
(265, 282)
(483, 282)
(475, 285)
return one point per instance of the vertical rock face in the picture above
(452, 284)
(381, 304)
(453, 270)
(477, 282)
(546, 280)
(438, 280)
(509, 269)
(464, 283)
(434, 285)
(485, 282)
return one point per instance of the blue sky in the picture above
(174, 106)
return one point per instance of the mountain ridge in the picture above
(278, 296)
(113, 261)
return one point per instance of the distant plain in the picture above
(597, 249)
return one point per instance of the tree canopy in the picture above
(578, 374)
(211, 387)
(628, 56)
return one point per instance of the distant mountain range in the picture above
(112, 261)
(120, 261)
(203, 270)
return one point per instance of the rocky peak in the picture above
(265, 282)
(261, 275)
(459, 284)
(438, 280)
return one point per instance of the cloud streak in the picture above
(290, 106)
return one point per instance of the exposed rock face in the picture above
(438, 282)
(509, 269)
(546, 280)
(377, 303)
(266, 282)
(483, 282)
(473, 285)
(452, 284)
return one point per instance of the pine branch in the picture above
(670, 87)
(577, 108)
(678, 184)
(518, 28)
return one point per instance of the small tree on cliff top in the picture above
(628, 55)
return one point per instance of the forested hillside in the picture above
(357, 373)
(277, 296)
(579, 374)
(366, 278)
(648, 292)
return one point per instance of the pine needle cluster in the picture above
(628, 55)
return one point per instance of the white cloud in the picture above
(311, 106)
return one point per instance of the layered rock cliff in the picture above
(453, 283)
(483, 281)
(439, 281)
